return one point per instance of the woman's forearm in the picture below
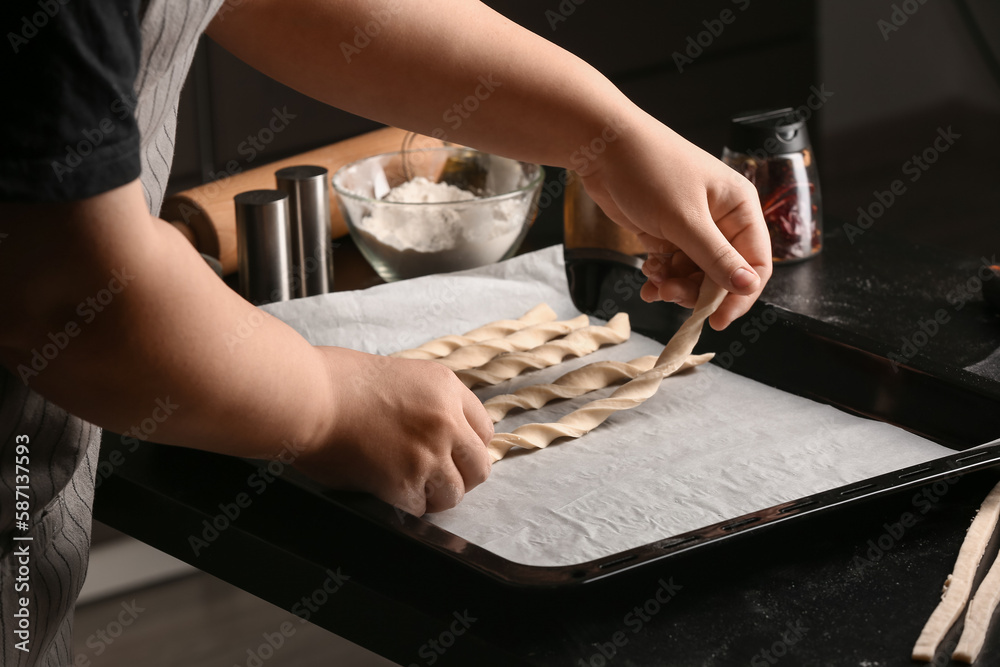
(454, 69)
(111, 314)
(115, 317)
(458, 70)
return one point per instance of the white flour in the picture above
(427, 238)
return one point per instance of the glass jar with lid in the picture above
(771, 148)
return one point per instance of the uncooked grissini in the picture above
(577, 344)
(958, 585)
(977, 619)
(631, 394)
(445, 345)
(586, 379)
(477, 354)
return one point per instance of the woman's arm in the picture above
(458, 69)
(110, 313)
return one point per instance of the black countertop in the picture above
(848, 587)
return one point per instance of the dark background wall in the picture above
(895, 89)
(933, 58)
(892, 90)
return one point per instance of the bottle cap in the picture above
(768, 132)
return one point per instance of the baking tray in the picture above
(819, 361)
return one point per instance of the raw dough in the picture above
(579, 343)
(958, 585)
(477, 354)
(977, 619)
(633, 393)
(591, 377)
(440, 347)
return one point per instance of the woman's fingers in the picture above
(672, 274)
(744, 225)
(707, 247)
(733, 249)
(470, 455)
(444, 488)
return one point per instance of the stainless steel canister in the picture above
(308, 192)
(263, 243)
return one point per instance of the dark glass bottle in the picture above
(771, 148)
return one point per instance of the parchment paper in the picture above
(711, 445)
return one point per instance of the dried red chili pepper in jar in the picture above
(771, 148)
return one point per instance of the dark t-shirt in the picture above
(67, 71)
(68, 130)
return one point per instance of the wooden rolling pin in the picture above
(206, 214)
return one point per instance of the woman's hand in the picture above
(404, 430)
(693, 214)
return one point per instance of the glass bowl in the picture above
(458, 209)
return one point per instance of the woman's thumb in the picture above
(710, 250)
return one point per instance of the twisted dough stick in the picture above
(440, 347)
(958, 585)
(579, 343)
(586, 379)
(477, 354)
(633, 393)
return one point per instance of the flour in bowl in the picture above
(446, 229)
